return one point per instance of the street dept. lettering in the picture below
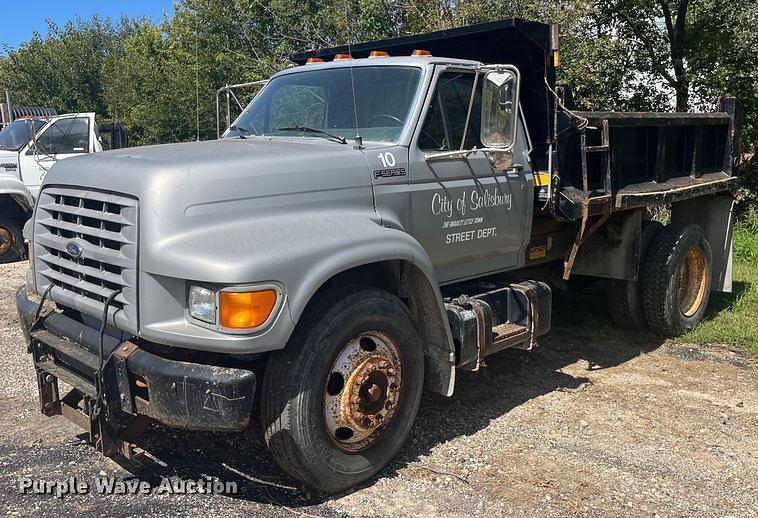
(470, 235)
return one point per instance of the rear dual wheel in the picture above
(676, 282)
(625, 297)
(671, 295)
(339, 401)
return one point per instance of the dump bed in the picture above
(625, 160)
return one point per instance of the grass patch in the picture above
(732, 318)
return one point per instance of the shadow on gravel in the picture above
(510, 379)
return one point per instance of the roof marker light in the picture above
(342, 56)
(314, 60)
(378, 54)
(420, 52)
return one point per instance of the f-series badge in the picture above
(389, 173)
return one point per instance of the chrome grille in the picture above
(85, 244)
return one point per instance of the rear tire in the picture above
(676, 283)
(625, 297)
(11, 241)
(314, 391)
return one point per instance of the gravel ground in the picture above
(588, 424)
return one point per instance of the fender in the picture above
(17, 190)
(301, 252)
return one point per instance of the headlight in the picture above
(238, 309)
(202, 304)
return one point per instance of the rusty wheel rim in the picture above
(691, 281)
(6, 240)
(362, 391)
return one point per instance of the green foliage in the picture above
(732, 318)
(616, 54)
(746, 237)
(63, 69)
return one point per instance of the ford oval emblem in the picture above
(74, 250)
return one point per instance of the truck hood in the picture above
(188, 189)
(214, 171)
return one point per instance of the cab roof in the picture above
(389, 60)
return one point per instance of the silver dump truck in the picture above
(379, 216)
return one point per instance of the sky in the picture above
(22, 17)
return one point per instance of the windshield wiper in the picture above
(341, 140)
(242, 130)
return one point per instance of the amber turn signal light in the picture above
(245, 310)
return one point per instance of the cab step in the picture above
(510, 315)
(508, 334)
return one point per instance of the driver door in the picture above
(468, 215)
(62, 138)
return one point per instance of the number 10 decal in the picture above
(388, 159)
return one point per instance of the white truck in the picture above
(29, 147)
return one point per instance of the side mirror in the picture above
(500, 96)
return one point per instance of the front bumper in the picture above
(135, 382)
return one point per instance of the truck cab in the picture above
(29, 147)
(419, 127)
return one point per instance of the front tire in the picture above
(339, 401)
(676, 283)
(11, 241)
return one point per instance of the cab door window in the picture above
(65, 136)
(446, 118)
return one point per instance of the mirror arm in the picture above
(464, 153)
(461, 153)
(470, 107)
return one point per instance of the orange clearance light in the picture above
(314, 60)
(245, 310)
(378, 54)
(342, 56)
(420, 52)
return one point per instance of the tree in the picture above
(63, 70)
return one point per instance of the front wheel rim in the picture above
(691, 282)
(362, 391)
(6, 241)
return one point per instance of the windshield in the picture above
(323, 100)
(16, 134)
